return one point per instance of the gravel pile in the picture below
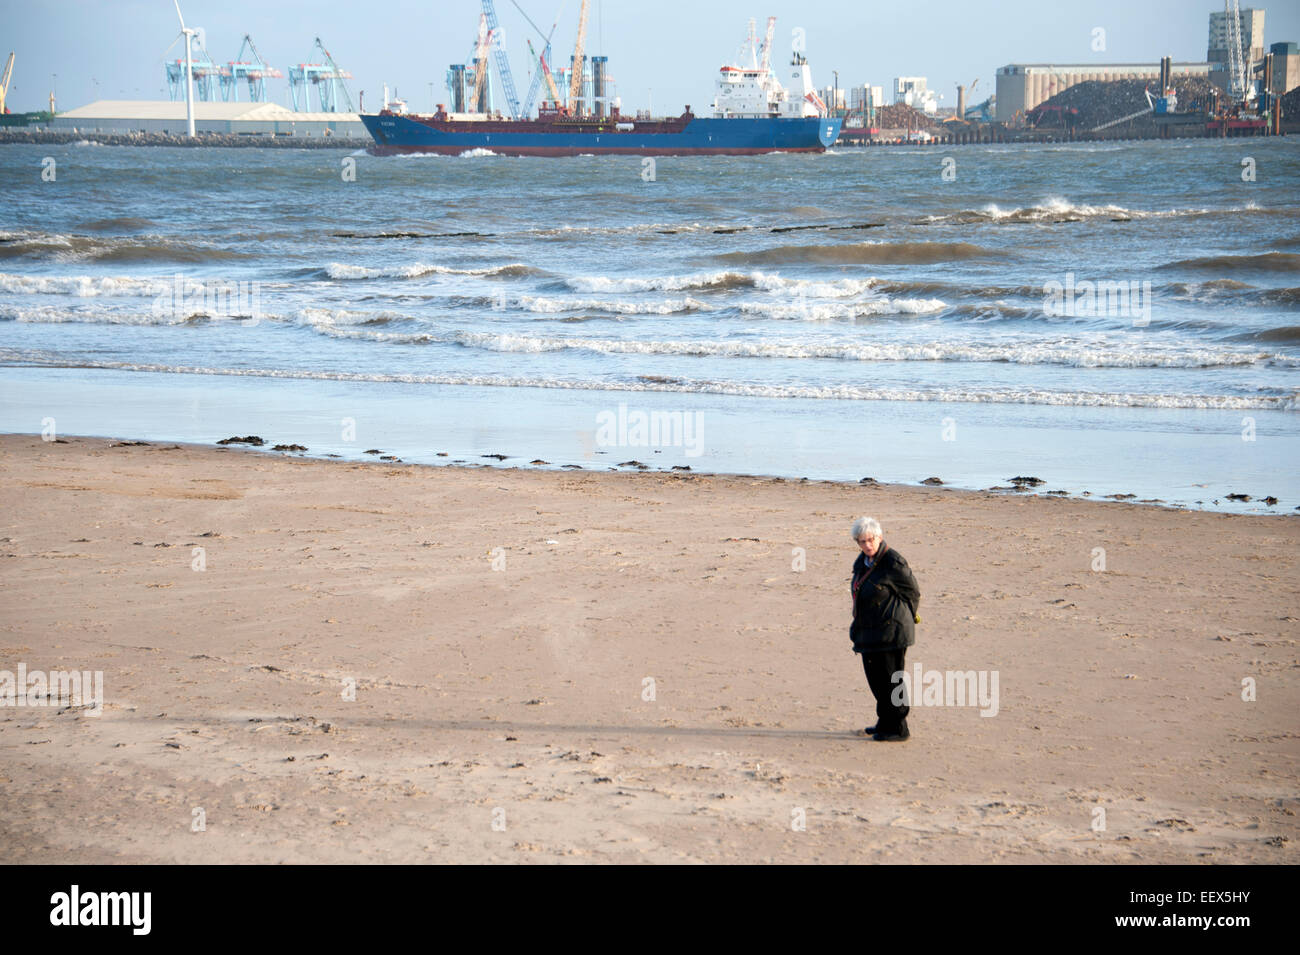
(1101, 101)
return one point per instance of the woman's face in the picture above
(870, 543)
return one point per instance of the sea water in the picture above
(1111, 318)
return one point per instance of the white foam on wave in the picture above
(553, 306)
(663, 283)
(835, 288)
(1056, 207)
(1071, 353)
(84, 286)
(722, 279)
(836, 311)
(343, 271)
(50, 315)
(326, 318)
(1287, 402)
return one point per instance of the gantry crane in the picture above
(203, 69)
(255, 70)
(328, 80)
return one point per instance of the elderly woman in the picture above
(885, 599)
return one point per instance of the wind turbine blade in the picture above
(178, 14)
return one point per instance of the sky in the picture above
(663, 54)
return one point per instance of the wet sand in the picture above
(500, 626)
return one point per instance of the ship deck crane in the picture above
(480, 63)
(503, 61)
(766, 63)
(545, 70)
(579, 59)
(4, 84)
(1239, 86)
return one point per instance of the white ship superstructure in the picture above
(754, 90)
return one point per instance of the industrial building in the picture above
(866, 97)
(1022, 86)
(237, 119)
(1286, 67)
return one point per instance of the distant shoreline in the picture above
(24, 136)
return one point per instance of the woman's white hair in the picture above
(868, 525)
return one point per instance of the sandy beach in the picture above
(374, 662)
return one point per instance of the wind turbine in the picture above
(188, 34)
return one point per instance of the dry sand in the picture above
(516, 695)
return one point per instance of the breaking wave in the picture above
(142, 248)
(1057, 209)
(81, 286)
(721, 281)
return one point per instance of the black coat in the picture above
(884, 603)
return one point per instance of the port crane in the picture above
(4, 84)
(202, 68)
(328, 80)
(255, 71)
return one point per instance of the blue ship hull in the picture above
(687, 136)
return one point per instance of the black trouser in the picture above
(880, 667)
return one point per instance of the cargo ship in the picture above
(753, 112)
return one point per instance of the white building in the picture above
(912, 91)
(864, 97)
(835, 98)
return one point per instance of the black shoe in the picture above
(869, 731)
(891, 736)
